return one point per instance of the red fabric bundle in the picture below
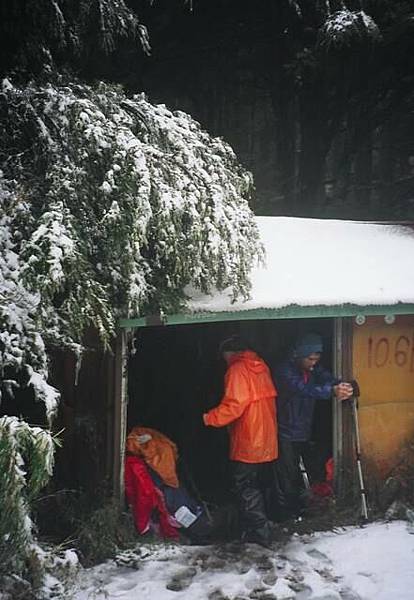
(325, 488)
(144, 498)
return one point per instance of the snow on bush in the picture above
(123, 204)
(54, 570)
(26, 463)
(18, 333)
(22, 348)
(345, 27)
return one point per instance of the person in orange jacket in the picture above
(248, 408)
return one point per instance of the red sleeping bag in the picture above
(145, 498)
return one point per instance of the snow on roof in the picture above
(313, 262)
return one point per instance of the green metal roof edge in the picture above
(293, 311)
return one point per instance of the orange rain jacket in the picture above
(249, 408)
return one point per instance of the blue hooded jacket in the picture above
(296, 398)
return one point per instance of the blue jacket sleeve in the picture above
(323, 376)
(319, 387)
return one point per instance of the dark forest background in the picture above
(323, 118)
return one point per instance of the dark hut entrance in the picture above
(175, 375)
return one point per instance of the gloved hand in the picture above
(343, 391)
(355, 388)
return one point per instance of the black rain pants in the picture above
(248, 481)
(290, 477)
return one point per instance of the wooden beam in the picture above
(120, 415)
(338, 335)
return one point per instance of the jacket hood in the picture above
(307, 344)
(251, 360)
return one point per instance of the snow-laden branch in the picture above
(346, 27)
(126, 203)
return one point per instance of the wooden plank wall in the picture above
(85, 460)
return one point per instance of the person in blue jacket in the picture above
(301, 381)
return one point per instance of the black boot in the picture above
(261, 536)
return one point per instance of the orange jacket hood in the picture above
(251, 360)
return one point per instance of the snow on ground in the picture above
(375, 562)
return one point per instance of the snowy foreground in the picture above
(371, 563)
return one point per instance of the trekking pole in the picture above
(364, 503)
(304, 473)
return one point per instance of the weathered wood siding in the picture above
(86, 416)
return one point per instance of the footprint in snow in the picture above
(347, 594)
(217, 595)
(314, 553)
(181, 580)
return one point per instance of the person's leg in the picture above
(255, 526)
(289, 475)
(275, 499)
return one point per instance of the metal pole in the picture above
(364, 503)
(304, 473)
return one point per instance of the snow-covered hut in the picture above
(352, 282)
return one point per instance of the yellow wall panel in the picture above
(383, 364)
